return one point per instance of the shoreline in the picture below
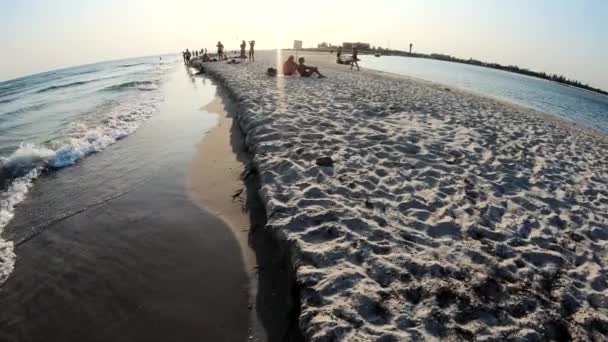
(554, 118)
(221, 182)
(123, 252)
(452, 59)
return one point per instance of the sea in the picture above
(101, 239)
(573, 104)
(53, 120)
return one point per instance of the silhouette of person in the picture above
(251, 50)
(187, 55)
(243, 47)
(355, 58)
(307, 71)
(220, 51)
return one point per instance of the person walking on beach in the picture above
(339, 52)
(187, 56)
(243, 47)
(355, 59)
(220, 51)
(251, 50)
(307, 71)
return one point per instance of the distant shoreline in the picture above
(508, 68)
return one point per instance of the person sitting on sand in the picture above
(290, 66)
(307, 71)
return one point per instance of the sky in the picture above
(558, 36)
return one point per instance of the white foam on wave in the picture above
(8, 200)
(81, 139)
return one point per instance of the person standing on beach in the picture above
(251, 50)
(243, 47)
(307, 71)
(220, 50)
(187, 56)
(355, 59)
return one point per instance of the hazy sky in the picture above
(563, 36)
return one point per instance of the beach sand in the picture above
(411, 210)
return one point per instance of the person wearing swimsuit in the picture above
(252, 51)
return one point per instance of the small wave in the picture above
(83, 140)
(130, 65)
(22, 167)
(61, 86)
(84, 72)
(7, 115)
(7, 100)
(141, 85)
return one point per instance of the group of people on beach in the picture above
(188, 55)
(354, 58)
(221, 55)
(290, 67)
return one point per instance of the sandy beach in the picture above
(411, 210)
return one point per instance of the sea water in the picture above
(52, 120)
(573, 104)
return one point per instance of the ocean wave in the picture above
(141, 85)
(82, 141)
(22, 167)
(7, 115)
(61, 86)
(8, 100)
(130, 65)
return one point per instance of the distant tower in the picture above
(411, 48)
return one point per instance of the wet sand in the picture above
(222, 182)
(215, 181)
(131, 269)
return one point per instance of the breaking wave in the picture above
(24, 165)
(141, 85)
(130, 65)
(61, 86)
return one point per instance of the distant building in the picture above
(362, 46)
